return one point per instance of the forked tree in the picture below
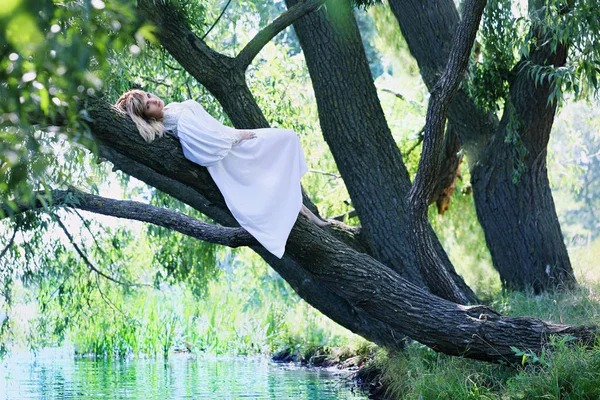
(389, 278)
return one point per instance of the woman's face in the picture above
(153, 107)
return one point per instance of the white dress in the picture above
(259, 178)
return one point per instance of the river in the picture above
(57, 374)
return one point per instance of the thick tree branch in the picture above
(251, 50)
(231, 237)
(471, 331)
(441, 95)
(426, 179)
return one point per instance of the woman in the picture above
(257, 171)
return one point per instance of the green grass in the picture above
(248, 310)
(565, 371)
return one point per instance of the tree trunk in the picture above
(366, 155)
(514, 182)
(537, 260)
(519, 221)
(350, 287)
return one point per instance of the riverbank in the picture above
(564, 370)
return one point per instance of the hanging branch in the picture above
(216, 21)
(420, 136)
(88, 262)
(231, 237)
(10, 242)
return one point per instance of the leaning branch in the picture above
(441, 95)
(74, 198)
(263, 37)
(427, 176)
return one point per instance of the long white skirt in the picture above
(260, 181)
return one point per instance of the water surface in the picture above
(56, 374)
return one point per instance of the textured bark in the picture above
(516, 208)
(359, 138)
(427, 178)
(350, 287)
(519, 221)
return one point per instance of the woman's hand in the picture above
(246, 135)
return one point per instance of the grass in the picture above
(248, 310)
(564, 371)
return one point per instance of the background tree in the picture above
(507, 155)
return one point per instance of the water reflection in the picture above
(55, 374)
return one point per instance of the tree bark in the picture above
(350, 287)
(427, 178)
(519, 221)
(512, 191)
(359, 138)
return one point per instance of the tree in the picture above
(507, 156)
(375, 280)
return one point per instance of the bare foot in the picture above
(319, 222)
(313, 218)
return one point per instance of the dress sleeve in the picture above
(204, 140)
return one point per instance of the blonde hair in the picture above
(132, 102)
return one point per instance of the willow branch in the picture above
(10, 242)
(251, 50)
(420, 137)
(87, 261)
(216, 21)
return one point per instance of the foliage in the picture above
(462, 237)
(571, 372)
(494, 55)
(575, 24)
(365, 3)
(51, 55)
(247, 311)
(518, 151)
(507, 41)
(568, 372)
(575, 172)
